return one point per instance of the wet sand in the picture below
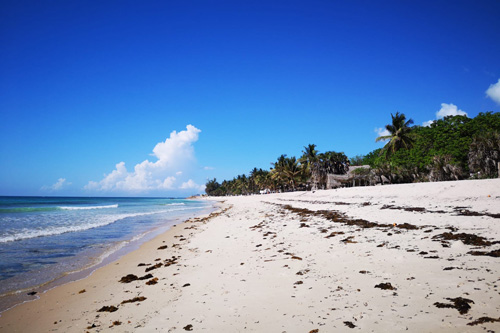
(414, 257)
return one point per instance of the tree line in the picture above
(286, 174)
(453, 148)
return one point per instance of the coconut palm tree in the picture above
(399, 134)
(335, 163)
(293, 172)
(278, 171)
(310, 162)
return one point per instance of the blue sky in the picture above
(89, 89)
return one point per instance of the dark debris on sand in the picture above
(110, 308)
(459, 303)
(385, 286)
(338, 217)
(135, 299)
(495, 253)
(349, 324)
(467, 239)
(131, 277)
(483, 320)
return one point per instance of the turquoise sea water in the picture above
(42, 238)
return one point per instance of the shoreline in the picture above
(386, 258)
(94, 260)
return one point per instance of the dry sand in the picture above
(416, 258)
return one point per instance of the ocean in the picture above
(42, 239)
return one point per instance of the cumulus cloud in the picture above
(446, 110)
(173, 155)
(493, 92)
(449, 110)
(61, 182)
(191, 185)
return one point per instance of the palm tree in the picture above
(310, 162)
(335, 163)
(293, 172)
(399, 134)
(278, 171)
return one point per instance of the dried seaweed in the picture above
(385, 286)
(106, 308)
(465, 212)
(128, 278)
(335, 233)
(348, 240)
(145, 277)
(483, 320)
(459, 303)
(494, 253)
(158, 265)
(135, 299)
(349, 324)
(467, 239)
(152, 282)
(339, 217)
(407, 209)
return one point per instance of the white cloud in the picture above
(428, 123)
(176, 153)
(446, 110)
(167, 184)
(61, 182)
(449, 110)
(208, 168)
(493, 92)
(191, 185)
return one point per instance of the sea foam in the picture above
(58, 230)
(87, 207)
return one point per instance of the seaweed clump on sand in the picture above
(483, 320)
(339, 217)
(465, 212)
(131, 277)
(467, 239)
(135, 299)
(349, 324)
(494, 253)
(459, 303)
(385, 286)
(158, 265)
(110, 308)
(128, 278)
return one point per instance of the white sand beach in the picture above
(414, 257)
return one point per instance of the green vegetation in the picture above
(286, 174)
(456, 147)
